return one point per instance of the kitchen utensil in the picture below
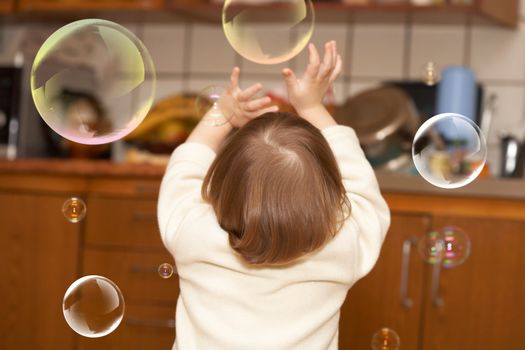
(385, 121)
(512, 156)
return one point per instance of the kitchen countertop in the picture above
(389, 182)
(92, 168)
(482, 187)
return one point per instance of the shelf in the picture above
(499, 12)
(84, 5)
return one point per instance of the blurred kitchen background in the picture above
(477, 305)
(377, 46)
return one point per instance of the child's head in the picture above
(276, 189)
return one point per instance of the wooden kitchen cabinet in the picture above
(6, 6)
(39, 258)
(41, 254)
(481, 303)
(82, 5)
(476, 305)
(376, 301)
(122, 242)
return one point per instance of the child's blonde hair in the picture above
(276, 188)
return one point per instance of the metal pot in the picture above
(385, 121)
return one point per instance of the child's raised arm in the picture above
(189, 163)
(306, 94)
(238, 107)
(370, 216)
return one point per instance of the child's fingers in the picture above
(248, 93)
(313, 63)
(271, 109)
(329, 60)
(328, 52)
(257, 104)
(234, 78)
(337, 69)
(334, 53)
(313, 54)
(289, 77)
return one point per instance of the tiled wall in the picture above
(190, 56)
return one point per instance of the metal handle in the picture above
(150, 323)
(437, 300)
(145, 189)
(143, 269)
(135, 268)
(144, 215)
(405, 270)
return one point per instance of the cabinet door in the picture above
(149, 319)
(6, 6)
(482, 301)
(73, 5)
(38, 261)
(375, 301)
(143, 327)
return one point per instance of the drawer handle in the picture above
(150, 323)
(144, 215)
(147, 269)
(146, 189)
(437, 300)
(405, 269)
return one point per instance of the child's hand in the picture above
(240, 106)
(306, 94)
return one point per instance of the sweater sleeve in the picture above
(370, 214)
(180, 189)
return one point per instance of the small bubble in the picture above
(165, 270)
(431, 74)
(457, 246)
(74, 209)
(207, 106)
(430, 247)
(385, 339)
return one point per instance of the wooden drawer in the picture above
(122, 222)
(135, 273)
(143, 327)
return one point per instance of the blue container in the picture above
(457, 93)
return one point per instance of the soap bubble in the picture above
(93, 306)
(431, 73)
(449, 150)
(165, 270)
(449, 247)
(93, 81)
(268, 32)
(430, 247)
(207, 105)
(74, 209)
(456, 244)
(385, 339)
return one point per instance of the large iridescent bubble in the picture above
(93, 306)
(93, 81)
(268, 32)
(449, 150)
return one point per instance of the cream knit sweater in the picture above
(226, 304)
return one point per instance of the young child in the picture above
(271, 224)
